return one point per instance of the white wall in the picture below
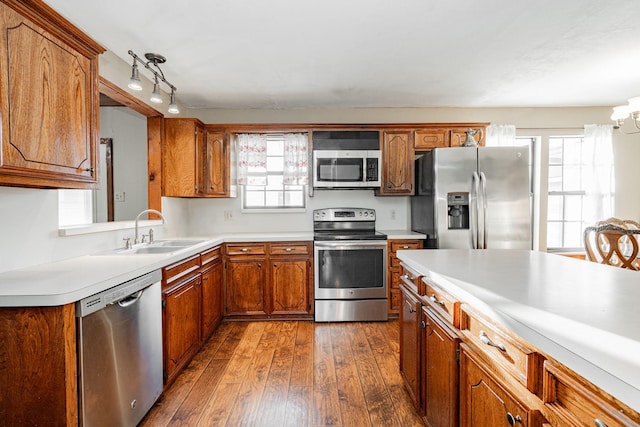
(128, 129)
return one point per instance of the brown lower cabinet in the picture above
(440, 377)
(191, 307)
(410, 343)
(483, 401)
(462, 368)
(269, 279)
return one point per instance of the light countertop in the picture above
(583, 314)
(71, 280)
(403, 234)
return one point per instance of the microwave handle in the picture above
(311, 170)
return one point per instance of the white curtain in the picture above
(296, 158)
(501, 136)
(252, 158)
(598, 174)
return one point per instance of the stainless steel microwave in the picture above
(346, 168)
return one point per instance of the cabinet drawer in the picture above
(246, 249)
(395, 245)
(179, 270)
(404, 244)
(431, 138)
(296, 248)
(521, 362)
(208, 257)
(576, 402)
(443, 303)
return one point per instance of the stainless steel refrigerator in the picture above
(475, 198)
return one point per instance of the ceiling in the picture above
(284, 54)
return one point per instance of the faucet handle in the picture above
(127, 242)
(151, 235)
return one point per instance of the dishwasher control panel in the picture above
(100, 300)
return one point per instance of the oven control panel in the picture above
(344, 214)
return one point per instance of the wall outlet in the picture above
(119, 197)
(228, 215)
(393, 214)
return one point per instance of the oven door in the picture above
(352, 269)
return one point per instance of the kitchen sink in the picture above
(163, 243)
(157, 247)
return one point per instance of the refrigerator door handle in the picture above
(483, 208)
(474, 209)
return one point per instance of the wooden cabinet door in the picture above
(459, 136)
(427, 139)
(483, 401)
(50, 104)
(181, 322)
(211, 298)
(216, 164)
(410, 343)
(290, 286)
(246, 282)
(439, 371)
(180, 175)
(397, 163)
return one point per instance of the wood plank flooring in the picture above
(291, 373)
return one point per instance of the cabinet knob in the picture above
(259, 265)
(405, 247)
(599, 423)
(288, 249)
(246, 249)
(90, 170)
(423, 324)
(512, 420)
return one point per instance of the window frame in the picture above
(274, 209)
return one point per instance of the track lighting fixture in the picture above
(153, 60)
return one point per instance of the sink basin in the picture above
(180, 243)
(148, 250)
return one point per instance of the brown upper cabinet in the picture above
(49, 102)
(438, 137)
(196, 161)
(397, 163)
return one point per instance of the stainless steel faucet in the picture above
(136, 240)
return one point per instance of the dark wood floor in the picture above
(290, 373)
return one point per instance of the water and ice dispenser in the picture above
(458, 211)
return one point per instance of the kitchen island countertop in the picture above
(584, 315)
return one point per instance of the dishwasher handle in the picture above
(131, 299)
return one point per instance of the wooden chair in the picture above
(614, 245)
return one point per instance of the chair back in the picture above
(613, 245)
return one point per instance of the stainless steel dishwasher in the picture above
(120, 352)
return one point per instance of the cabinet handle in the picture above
(91, 170)
(411, 309)
(423, 324)
(485, 339)
(599, 423)
(437, 301)
(405, 247)
(259, 265)
(288, 249)
(246, 249)
(512, 420)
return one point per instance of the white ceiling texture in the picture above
(281, 54)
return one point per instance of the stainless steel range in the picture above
(350, 266)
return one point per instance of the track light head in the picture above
(134, 81)
(173, 107)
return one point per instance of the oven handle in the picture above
(352, 245)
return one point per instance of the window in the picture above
(570, 169)
(75, 207)
(274, 194)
